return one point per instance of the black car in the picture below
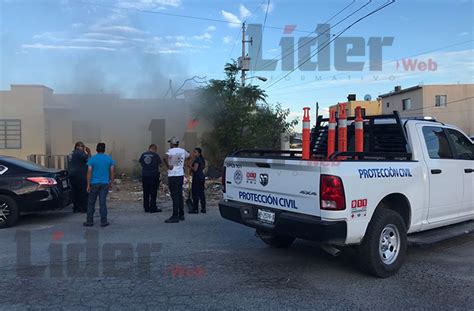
(27, 187)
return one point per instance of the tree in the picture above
(240, 117)
(268, 125)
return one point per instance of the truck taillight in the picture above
(332, 193)
(43, 181)
(223, 180)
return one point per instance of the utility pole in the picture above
(244, 60)
(242, 81)
(317, 110)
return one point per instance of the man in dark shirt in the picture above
(78, 176)
(150, 162)
(199, 180)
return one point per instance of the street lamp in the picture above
(264, 79)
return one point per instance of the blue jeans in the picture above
(100, 190)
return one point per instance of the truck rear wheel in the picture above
(384, 247)
(8, 212)
(273, 240)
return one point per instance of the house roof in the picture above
(391, 93)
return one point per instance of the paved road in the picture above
(209, 263)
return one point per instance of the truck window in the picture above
(437, 143)
(463, 147)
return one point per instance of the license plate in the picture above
(64, 183)
(266, 216)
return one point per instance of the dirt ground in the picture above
(127, 189)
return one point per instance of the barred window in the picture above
(10, 134)
(441, 100)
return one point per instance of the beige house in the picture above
(368, 107)
(448, 103)
(35, 120)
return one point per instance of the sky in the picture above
(135, 48)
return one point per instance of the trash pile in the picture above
(127, 189)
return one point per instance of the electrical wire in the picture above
(355, 81)
(335, 37)
(326, 109)
(384, 63)
(431, 107)
(291, 50)
(110, 6)
(263, 31)
(235, 42)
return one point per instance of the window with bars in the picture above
(10, 134)
(441, 100)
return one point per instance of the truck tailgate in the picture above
(290, 185)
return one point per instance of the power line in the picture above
(110, 6)
(340, 11)
(291, 50)
(328, 42)
(233, 46)
(355, 81)
(430, 107)
(337, 36)
(235, 41)
(263, 31)
(386, 62)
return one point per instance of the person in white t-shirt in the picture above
(175, 159)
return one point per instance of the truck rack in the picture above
(382, 139)
(268, 153)
(385, 138)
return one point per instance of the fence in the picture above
(51, 161)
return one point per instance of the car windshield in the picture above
(24, 164)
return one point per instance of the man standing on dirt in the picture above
(150, 162)
(77, 169)
(174, 160)
(100, 177)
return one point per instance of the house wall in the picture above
(59, 131)
(26, 102)
(123, 124)
(459, 110)
(396, 103)
(372, 107)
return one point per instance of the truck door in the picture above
(444, 175)
(464, 153)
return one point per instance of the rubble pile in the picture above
(127, 189)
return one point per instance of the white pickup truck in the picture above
(414, 176)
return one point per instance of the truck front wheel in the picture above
(273, 240)
(383, 249)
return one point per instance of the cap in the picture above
(173, 140)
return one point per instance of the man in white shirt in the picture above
(175, 159)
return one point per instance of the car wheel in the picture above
(383, 249)
(276, 241)
(8, 212)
